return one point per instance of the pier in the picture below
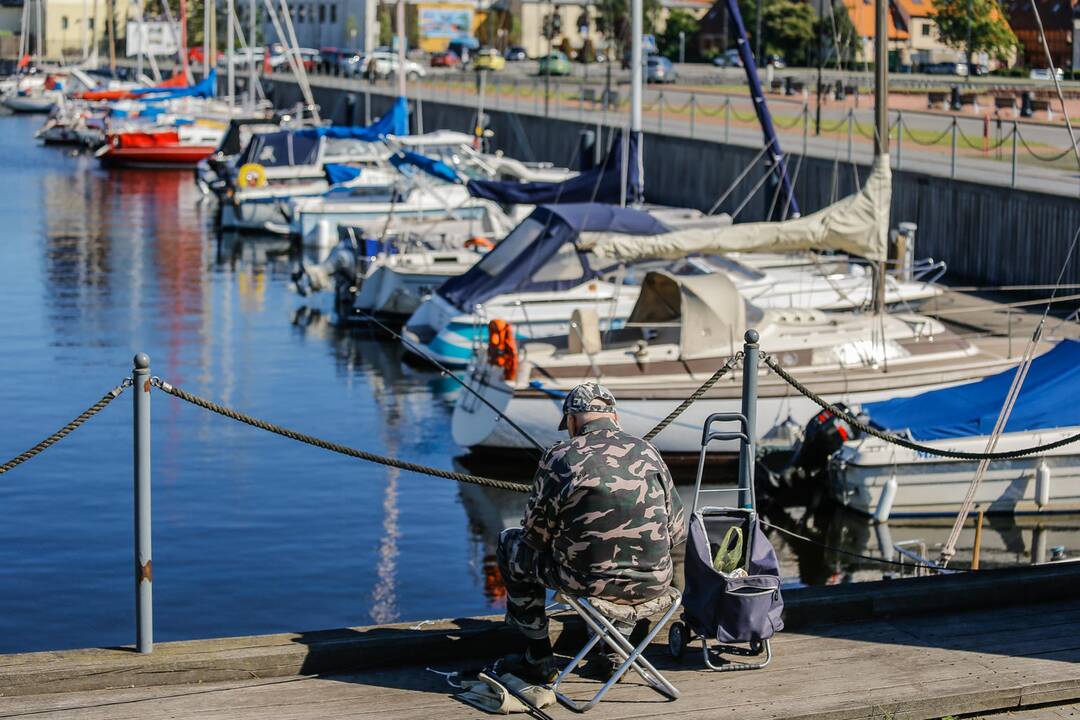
(969, 643)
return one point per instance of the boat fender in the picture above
(885, 502)
(502, 348)
(1042, 484)
(252, 175)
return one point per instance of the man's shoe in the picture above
(600, 667)
(542, 671)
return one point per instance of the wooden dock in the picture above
(914, 649)
(924, 666)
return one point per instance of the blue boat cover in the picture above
(394, 122)
(336, 173)
(602, 184)
(205, 88)
(1048, 399)
(433, 167)
(515, 263)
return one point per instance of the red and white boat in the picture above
(178, 146)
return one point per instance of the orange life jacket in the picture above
(502, 348)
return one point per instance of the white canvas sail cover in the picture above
(857, 225)
(708, 308)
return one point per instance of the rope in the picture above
(904, 442)
(935, 141)
(1037, 156)
(703, 109)
(835, 128)
(749, 118)
(332, 446)
(695, 396)
(849, 553)
(67, 429)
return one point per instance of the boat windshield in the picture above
(512, 246)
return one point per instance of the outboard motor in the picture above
(804, 477)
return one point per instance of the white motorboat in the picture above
(875, 477)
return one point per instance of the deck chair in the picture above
(600, 616)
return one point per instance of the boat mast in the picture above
(636, 30)
(207, 10)
(400, 11)
(253, 11)
(881, 121)
(85, 30)
(38, 35)
(230, 33)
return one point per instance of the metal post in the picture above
(850, 121)
(144, 575)
(693, 107)
(660, 104)
(952, 153)
(727, 117)
(367, 105)
(805, 128)
(749, 411)
(1012, 178)
(899, 139)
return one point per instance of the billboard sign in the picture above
(156, 38)
(445, 22)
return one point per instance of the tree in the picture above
(974, 26)
(614, 21)
(787, 26)
(678, 21)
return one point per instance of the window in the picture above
(333, 13)
(301, 14)
(64, 22)
(90, 24)
(322, 13)
(563, 265)
(926, 29)
(511, 246)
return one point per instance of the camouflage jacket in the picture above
(605, 514)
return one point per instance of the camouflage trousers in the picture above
(526, 575)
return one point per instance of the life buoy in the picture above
(478, 242)
(502, 348)
(251, 175)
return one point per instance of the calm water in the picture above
(252, 533)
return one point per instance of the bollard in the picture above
(954, 98)
(144, 573)
(899, 139)
(749, 411)
(693, 106)
(952, 152)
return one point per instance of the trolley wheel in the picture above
(677, 639)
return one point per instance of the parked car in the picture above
(728, 58)
(516, 53)
(946, 68)
(386, 64)
(1044, 74)
(658, 69)
(445, 59)
(351, 63)
(489, 59)
(556, 63)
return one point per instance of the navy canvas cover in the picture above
(1047, 400)
(558, 225)
(602, 184)
(433, 167)
(394, 122)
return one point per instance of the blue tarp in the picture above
(433, 167)
(394, 122)
(205, 88)
(336, 173)
(516, 261)
(601, 184)
(1048, 399)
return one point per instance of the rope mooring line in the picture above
(902, 441)
(67, 429)
(332, 446)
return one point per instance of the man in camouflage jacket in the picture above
(601, 521)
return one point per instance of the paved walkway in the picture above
(915, 668)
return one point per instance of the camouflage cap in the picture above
(587, 397)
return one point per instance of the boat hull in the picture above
(29, 105)
(928, 485)
(181, 156)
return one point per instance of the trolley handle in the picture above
(708, 434)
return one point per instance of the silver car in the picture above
(658, 69)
